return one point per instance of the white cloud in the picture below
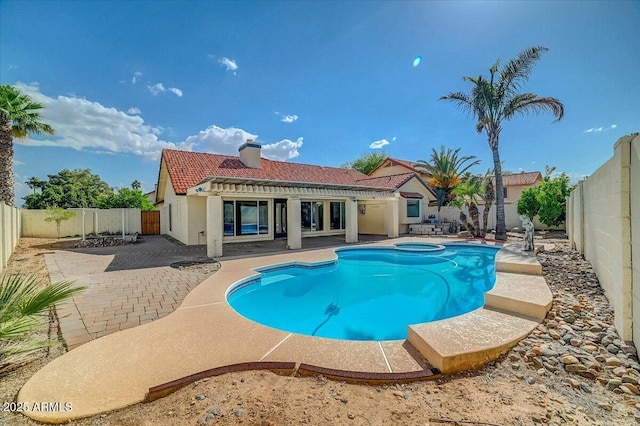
(220, 141)
(227, 141)
(229, 64)
(393, 139)
(379, 144)
(283, 150)
(134, 111)
(84, 125)
(289, 118)
(81, 124)
(134, 79)
(159, 88)
(156, 88)
(18, 162)
(600, 129)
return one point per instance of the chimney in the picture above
(250, 154)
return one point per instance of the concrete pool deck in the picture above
(205, 333)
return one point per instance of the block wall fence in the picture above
(10, 231)
(603, 217)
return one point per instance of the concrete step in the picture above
(470, 340)
(523, 295)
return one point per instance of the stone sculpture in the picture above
(527, 225)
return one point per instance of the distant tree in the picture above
(548, 199)
(19, 117)
(136, 184)
(125, 198)
(69, 189)
(444, 170)
(58, 215)
(528, 204)
(366, 162)
(34, 183)
(498, 99)
(552, 195)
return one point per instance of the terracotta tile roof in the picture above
(407, 164)
(528, 178)
(186, 169)
(391, 181)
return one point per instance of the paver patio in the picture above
(126, 285)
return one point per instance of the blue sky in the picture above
(314, 82)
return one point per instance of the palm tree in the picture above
(459, 203)
(469, 191)
(488, 195)
(498, 99)
(19, 117)
(24, 306)
(34, 183)
(444, 171)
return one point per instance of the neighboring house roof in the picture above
(393, 181)
(529, 178)
(389, 161)
(186, 169)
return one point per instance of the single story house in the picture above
(214, 199)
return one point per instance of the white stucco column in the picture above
(294, 224)
(351, 221)
(392, 217)
(215, 226)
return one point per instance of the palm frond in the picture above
(23, 303)
(531, 103)
(517, 71)
(15, 354)
(461, 100)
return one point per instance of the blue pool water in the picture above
(369, 293)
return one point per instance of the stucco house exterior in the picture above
(513, 184)
(216, 199)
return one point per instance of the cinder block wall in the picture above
(10, 224)
(95, 221)
(604, 212)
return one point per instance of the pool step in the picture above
(523, 295)
(470, 340)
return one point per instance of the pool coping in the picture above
(134, 365)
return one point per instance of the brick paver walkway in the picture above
(126, 286)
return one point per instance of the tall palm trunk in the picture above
(488, 196)
(501, 228)
(475, 214)
(485, 216)
(6, 163)
(465, 221)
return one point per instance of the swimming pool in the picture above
(369, 293)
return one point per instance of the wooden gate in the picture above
(151, 222)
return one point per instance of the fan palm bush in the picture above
(444, 171)
(24, 307)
